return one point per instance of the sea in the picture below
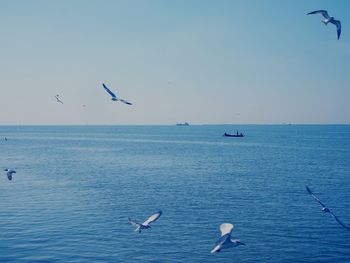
(76, 186)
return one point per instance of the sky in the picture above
(200, 61)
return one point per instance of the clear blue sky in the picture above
(234, 61)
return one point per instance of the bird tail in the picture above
(325, 22)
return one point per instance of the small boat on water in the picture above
(233, 135)
(183, 124)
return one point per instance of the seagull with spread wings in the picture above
(328, 19)
(9, 173)
(326, 209)
(146, 224)
(58, 99)
(225, 240)
(114, 97)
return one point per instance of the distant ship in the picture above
(233, 135)
(183, 124)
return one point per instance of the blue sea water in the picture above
(76, 186)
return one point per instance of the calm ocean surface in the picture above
(76, 186)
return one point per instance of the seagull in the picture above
(328, 19)
(326, 209)
(58, 99)
(146, 224)
(225, 240)
(114, 97)
(9, 173)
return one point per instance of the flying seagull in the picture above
(146, 224)
(326, 209)
(114, 97)
(58, 99)
(9, 173)
(225, 240)
(328, 19)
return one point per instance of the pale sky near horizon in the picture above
(205, 62)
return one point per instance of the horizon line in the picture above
(196, 124)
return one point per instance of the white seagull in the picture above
(146, 224)
(114, 97)
(58, 99)
(9, 173)
(225, 240)
(326, 209)
(328, 19)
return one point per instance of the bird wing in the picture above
(322, 12)
(216, 248)
(124, 101)
(219, 243)
(314, 196)
(339, 222)
(109, 91)
(226, 228)
(131, 222)
(152, 218)
(338, 25)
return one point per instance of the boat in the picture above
(233, 135)
(183, 124)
